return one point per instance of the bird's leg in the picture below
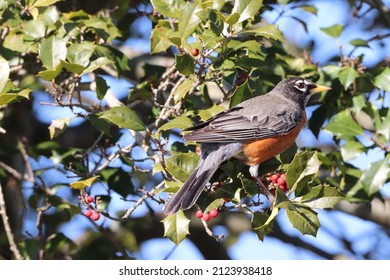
(253, 170)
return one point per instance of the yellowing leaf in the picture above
(80, 185)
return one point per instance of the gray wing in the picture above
(251, 120)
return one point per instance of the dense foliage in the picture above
(204, 56)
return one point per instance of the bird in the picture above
(254, 131)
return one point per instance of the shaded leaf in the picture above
(185, 64)
(304, 219)
(101, 87)
(181, 165)
(182, 90)
(262, 222)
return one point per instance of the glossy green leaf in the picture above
(4, 73)
(168, 8)
(246, 9)
(123, 117)
(182, 90)
(72, 67)
(80, 53)
(347, 76)
(301, 170)
(189, 20)
(382, 81)
(321, 197)
(51, 51)
(344, 126)
(375, 176)
(44, 3)
(6, 98)
(176, 227)
(180, 122)
(304, 219)
(181, 165)
(270, 31)
(51, 74)
(96, 64)
(333, 31)
(351, 149)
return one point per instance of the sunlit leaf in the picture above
(123, 117)
(82, 184)
(176, 227)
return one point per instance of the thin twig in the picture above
(210, 233)
(7, 228)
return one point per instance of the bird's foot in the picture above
(264, 189)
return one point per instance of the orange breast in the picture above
(258, 151)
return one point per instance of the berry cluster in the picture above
(93, 215)
(206, 216)
(277, 179)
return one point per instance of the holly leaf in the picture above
(51, 51)
(58, 126)
(301, 170)
(304, 219)
(322, 196)
(181, 165)
(269, 31)
(246, 9)
(180, 122)
(382, 81)
(347, 76)
(262, 222)
(176, 227)
(344, 126)
(4, 73)
(123, 117)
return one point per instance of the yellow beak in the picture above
(319, 88)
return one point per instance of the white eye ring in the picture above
(300, 85)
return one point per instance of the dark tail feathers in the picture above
(189, 193)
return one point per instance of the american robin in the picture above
(254, 131)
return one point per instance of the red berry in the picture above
(206, 217)
(283, 175)
(274, 177)
(195, 52)
(284, 188)
(281, 181)
(89, 199)
(95, 216)
(88, 213)
(213, 213)
(199, 214)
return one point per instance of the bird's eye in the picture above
(301, 85)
